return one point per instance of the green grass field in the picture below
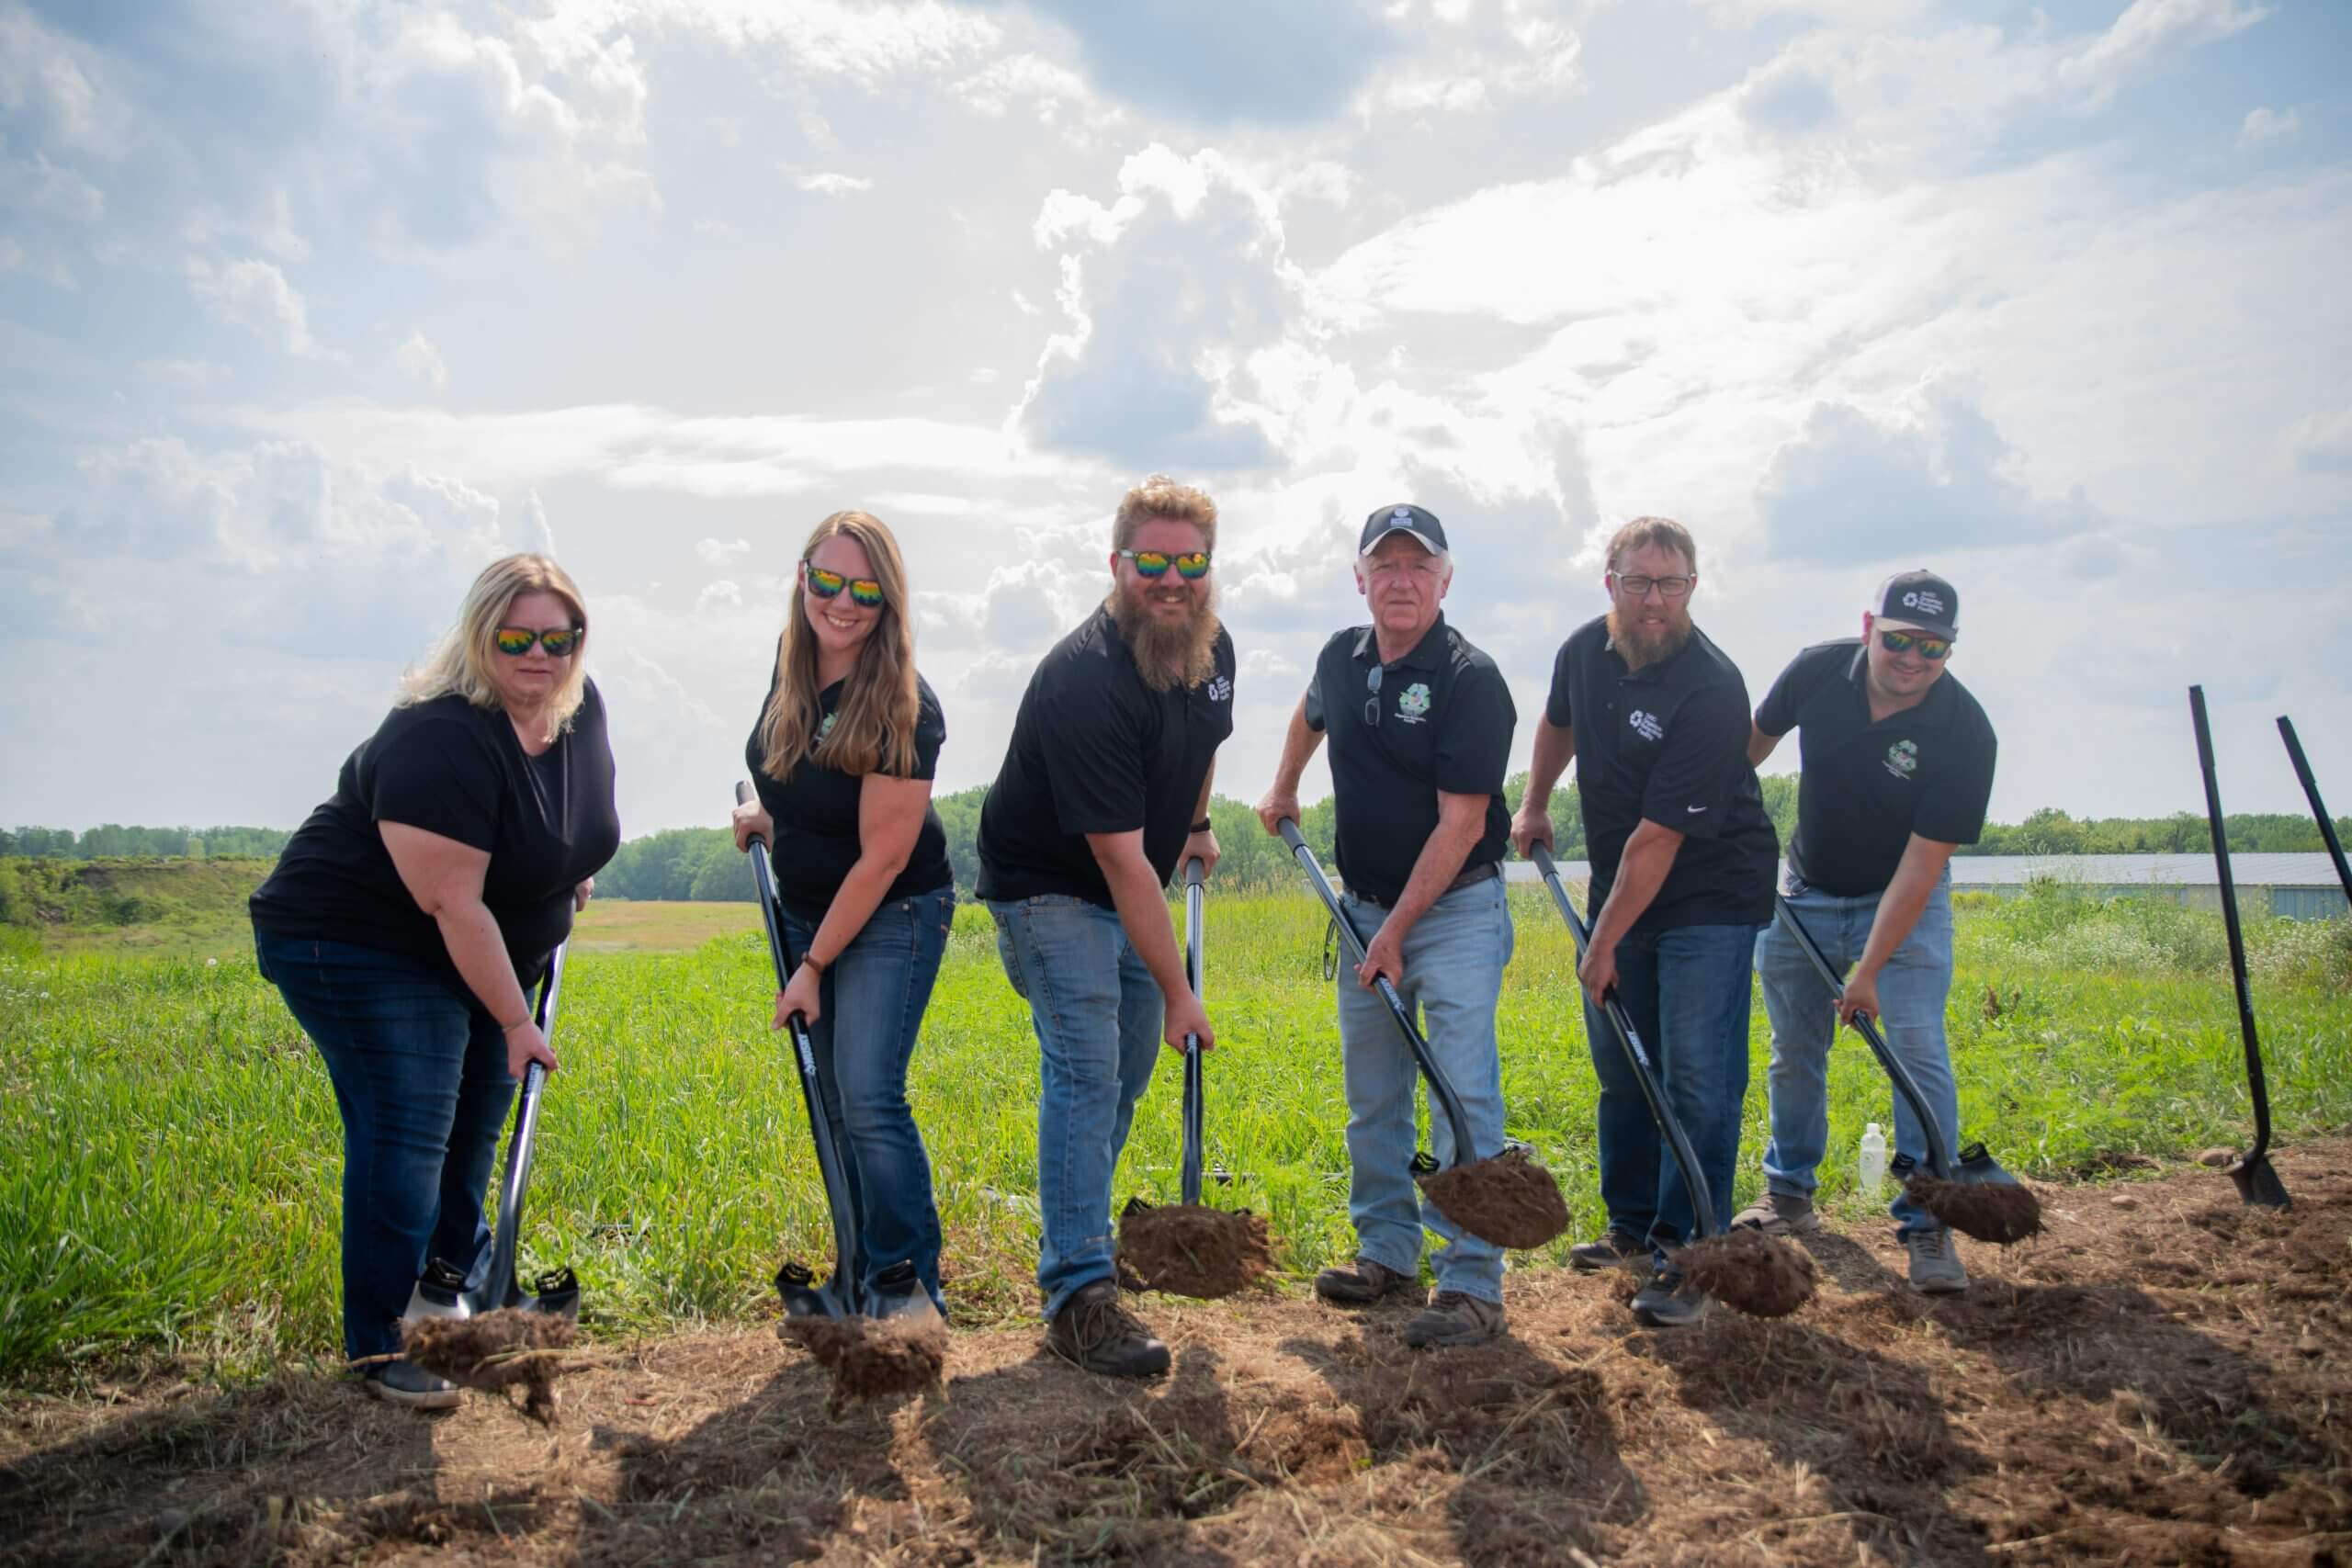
(169, 1149)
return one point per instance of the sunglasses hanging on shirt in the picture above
(1371, 703)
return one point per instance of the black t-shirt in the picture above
(816, 814)
(1868, 787)
(1667, 743)
(1445, 724)
(548, 823)
(1095, 751)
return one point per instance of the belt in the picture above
(1470, 878)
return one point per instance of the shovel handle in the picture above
(2257, 1089)
(2319, 808)
(1196, 1089)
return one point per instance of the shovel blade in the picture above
(2259, 1183)
(558, 1295)
(802, 1297)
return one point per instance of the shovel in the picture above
(2009, 1215)
(2257, 1182)
(843, 1294)
(1547, 1212)
(2319, 810)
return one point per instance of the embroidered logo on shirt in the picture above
(1902, 760)
(827, 727)
(1646, 723)
(1926, 601)
(1413, 703)
(1220, 689)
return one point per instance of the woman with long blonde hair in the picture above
(409, 917)
(842, 759)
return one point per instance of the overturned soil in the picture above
(1508, 1200)
(495, 1351)
(869, 1360)
(2163, 1377)
(1751, 1272)
(1996, 1212)
(1188, 1250)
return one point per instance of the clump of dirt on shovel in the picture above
(1508, 1200)
(1193, 1250)
(501, 1349)
(1998, 1211)
(872, 1357)
(1750, 1272)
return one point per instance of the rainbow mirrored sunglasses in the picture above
(828, 584)
(1192, 566)
(516, 641)
(1930, 647)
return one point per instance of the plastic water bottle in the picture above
(1873, 1169)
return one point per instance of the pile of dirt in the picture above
(870, 1359)
(1188, 1250)
(495, 1351)
(1508, 1200)
(1999, 1211)
(1750, 1272)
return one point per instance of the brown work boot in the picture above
(1360, 1283)
(1094, 1331)
(1452, 1318)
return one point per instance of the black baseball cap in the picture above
(1404, 518)
(1918, 601)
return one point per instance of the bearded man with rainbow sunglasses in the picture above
(1897, 773)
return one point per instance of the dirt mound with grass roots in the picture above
(869, 1359)
(1509, 1199)
(1750, 1272)
(1998, 1211)
(1188, 1250)
(2169, 1382)
(495, 1351)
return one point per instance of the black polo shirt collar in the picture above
(1426, 654)
(1933, 708)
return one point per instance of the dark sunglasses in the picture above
(1371, 703)
(1903, 642)
(828, 584)
(516, 641)
(1192, 566)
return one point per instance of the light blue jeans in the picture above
(1453, 976)
(1911, 992)
(1098, 1013)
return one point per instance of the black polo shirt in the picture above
(1445, 724)
(1868, 787)
(1667, 743)
(1095, 751)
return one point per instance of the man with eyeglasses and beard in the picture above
(1104, 792)
(1420, 725)
(1682, 855)
(1897, 773)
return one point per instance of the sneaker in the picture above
(1360, 1283)
(1778, 1214)
(1615, 1249)
(1094, 1332)
(405, 1382)
(1935, 1268)
(1452, 1318)
(1668, 1303)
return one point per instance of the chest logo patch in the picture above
(1902, 760)
(827, 727)
(1645, 724)
(1219, 689)
(1413, 703)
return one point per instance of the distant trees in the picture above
(110, 839)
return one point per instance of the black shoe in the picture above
(1613, 1249)
(405, 1382)
(1094, 1331)
(1670, 1301)
(1360, 1283)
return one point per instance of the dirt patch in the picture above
(1508, 1200)
(1750, 1272)
(869, 1360)
(495, 1351)
(1999, 1211)
(1189, 1249)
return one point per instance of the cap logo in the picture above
(1926, 601)
(1402, 515)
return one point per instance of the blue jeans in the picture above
(873, 997)
(420, 1076)
(1098, 1012)
(1686, 991)
(1453, 976)
(1911, 993)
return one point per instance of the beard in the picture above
(1640, 646)
(1168, 657)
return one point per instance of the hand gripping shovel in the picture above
(1747, 1271)
(1975, 1197)
(1507, 1198)
(2257, 1182)
(1189, 1249)
(2319, 808)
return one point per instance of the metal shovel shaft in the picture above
(1196, 1091)
(501, 1288)
(2319, 808)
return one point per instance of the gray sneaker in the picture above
(1935, 1268)
(405, 1382)
(1452, 1318)
(1668, 1303)
(1360, 1283)
(1778, 1214)
(1613, 1250)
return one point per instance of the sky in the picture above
(308, 310)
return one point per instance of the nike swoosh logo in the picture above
(1694, 810)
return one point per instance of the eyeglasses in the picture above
(1371, 703)
(827, 585)
(1192, 566)
(1903, 642)
(516, 641)
(1639, 587)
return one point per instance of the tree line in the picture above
(111, 839)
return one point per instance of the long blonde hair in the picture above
(874, 723)
(461, 661)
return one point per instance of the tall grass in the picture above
(170, 1154)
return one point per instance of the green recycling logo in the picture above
(1902, 760)
(1413, 703)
